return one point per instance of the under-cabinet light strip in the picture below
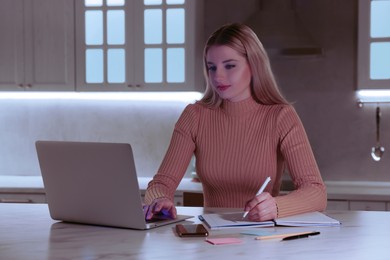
(135, 96)
(373, 96)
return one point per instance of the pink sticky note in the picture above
(223, 241)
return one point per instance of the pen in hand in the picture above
(259, 192)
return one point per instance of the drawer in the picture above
(367, 205)
(338, 205)
(22, 198)
(178, 199)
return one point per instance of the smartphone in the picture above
(191, 230)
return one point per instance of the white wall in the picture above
(147, 125)
(323, 88)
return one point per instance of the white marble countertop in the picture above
(28, 232)
(337, 190)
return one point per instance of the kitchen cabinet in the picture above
(32, 197)
(31, 189)
(45, 46)
(37, 45)
(22, 189)
(373, 45)
(358, 205)
(368, 205)
(337, 205)
(138, 46)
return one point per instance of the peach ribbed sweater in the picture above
(237, 146)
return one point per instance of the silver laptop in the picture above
(93, 183)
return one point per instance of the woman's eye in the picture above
(230, 66)
(212, 68)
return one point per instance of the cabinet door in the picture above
(37, 45)
(156, 50)
(338, 205)
(368, 205)
(49, 45)
(11, 44)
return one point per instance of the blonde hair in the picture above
(242, 39)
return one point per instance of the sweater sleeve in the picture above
(310, 191)
(177, 157)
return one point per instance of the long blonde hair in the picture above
(242, 39)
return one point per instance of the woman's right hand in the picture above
(161, 207)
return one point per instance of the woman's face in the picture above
(229, 73)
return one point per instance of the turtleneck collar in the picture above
(240, 108)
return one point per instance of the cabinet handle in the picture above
(28, 86)
(130, 86)
(20, 85)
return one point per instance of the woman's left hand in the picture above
(262, 208)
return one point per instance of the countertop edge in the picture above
(337, 190)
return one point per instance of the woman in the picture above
(241, 132)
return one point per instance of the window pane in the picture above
(152, 2)
(380, 60)
(153, 26)
(380, 19)
(93, 2)
(94, 65)
(116, 65)
(93, 27)
(115, 2)
(175, 2)
(175, 65)
(116, 27)
(175, 25)
(153, 65)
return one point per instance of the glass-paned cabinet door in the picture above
(102, 44)
(165, 41)
(134, 45)
(374, 44)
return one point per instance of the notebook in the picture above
(94, 183)
(234, 220)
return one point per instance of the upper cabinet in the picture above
(37, 45)
(142, 45)
(100, 45)
(374, 45)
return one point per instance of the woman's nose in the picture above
(219, 75)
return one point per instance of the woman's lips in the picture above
(223, 87)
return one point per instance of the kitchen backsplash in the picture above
(147, 125)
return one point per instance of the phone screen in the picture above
(191, 230)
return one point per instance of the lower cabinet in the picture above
(368, 205)
(358, 205)
(22, 198)
(338, 205)
(333, 204)
(178, 198)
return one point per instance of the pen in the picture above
(259, 192)
(301, 236)
(283, 235)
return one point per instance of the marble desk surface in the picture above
(28, 232)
